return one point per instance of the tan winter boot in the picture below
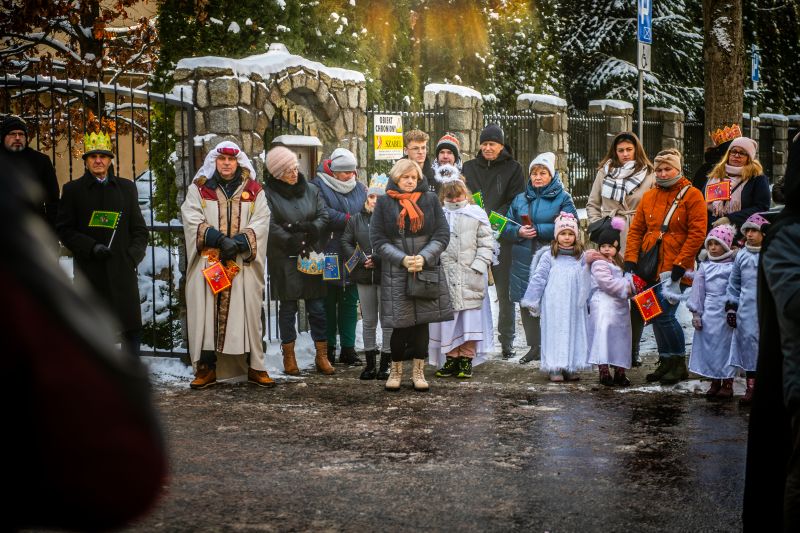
(203, 377)
(321, 359)
(289, 360)
(418, 376)
(395, 376)
(260, 378)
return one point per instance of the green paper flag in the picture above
(497, 221)
(478, 197)
(104, 219)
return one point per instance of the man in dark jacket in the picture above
(99, 221)
(499, 178)
(14, 132)
(772, 478)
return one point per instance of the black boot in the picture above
(369, 371)
(348, 356)
(532, 355)
(383, 368)
(664, 365)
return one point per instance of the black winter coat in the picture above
(499, 181)
(37, 167)
(290, 204)
(399, 310)
(115, 279)
(429, 182)
(357, 233)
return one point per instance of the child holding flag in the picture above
(609, 327)
(741, 307)
(712, 337)
(557, 291)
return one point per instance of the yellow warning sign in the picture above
(388, 137)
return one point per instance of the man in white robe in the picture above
(225, 214)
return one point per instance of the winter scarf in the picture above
(342, 187)
(285, 190)
(408, 202)
(754, 249)
(619, 182)
(666, 184)
(465, 208)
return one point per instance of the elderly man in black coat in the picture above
(99, 221)
(35, 166)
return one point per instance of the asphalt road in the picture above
(506, 451)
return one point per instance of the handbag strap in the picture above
(673, 207)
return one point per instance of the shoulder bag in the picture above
(647, 266)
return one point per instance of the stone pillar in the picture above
(464, 115)
(618, 114)
(672, 130)
(780, 144)
(551, 117)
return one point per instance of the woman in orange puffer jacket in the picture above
(680, 245)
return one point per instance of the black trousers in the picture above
(415, 337)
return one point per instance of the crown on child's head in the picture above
(728, 133)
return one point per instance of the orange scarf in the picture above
(408, 202)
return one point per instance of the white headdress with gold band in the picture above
(228, 148)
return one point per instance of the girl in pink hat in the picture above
(557, 291)
(741, 305)
(712, 336)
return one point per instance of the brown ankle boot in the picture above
(321, 359)
(747, 399)
(260, 378)
(713, 390)
(289, 360)
(605, 376)
(726, 391)
(203, 377)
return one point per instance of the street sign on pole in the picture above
(755, 70)
(645, 21)
(643, 57)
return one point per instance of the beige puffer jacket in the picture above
(467, 259)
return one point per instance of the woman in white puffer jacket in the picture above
(462, 342)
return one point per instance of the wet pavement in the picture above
(505, 451)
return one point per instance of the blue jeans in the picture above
(287, 319)
(667, 329)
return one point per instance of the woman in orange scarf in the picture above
(409, 232)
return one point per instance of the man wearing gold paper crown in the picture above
(226, 223)
(99, 221)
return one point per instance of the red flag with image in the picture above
(647, 303)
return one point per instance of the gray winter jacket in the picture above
(467, 258)
(399, 310)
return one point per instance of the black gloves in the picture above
(677, 272)
(228, 248)
(310, 229)
(629, 266)
(296, 243)
(730, 313)
(101, 251)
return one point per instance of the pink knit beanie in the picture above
(723, 234)
(747, 144)
(566, 221)
(754, 221)
(279, 160)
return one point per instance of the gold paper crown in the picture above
(314, 264)
(728, 133)
(97, 142)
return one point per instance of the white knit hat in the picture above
(547, 160)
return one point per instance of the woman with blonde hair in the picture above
(409, 232)
(747, 190)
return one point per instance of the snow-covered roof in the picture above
(275, 60)
(456, 89)
(545, 98)
(297, 140)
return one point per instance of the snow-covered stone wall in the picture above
(551, 117)
(235, 99)
(463, 107)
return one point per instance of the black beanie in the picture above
(492, 132)
(609, 232)
(11, 123)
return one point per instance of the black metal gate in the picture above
(587, 147)
(766, 148)
(693, 147)
(521, 133)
